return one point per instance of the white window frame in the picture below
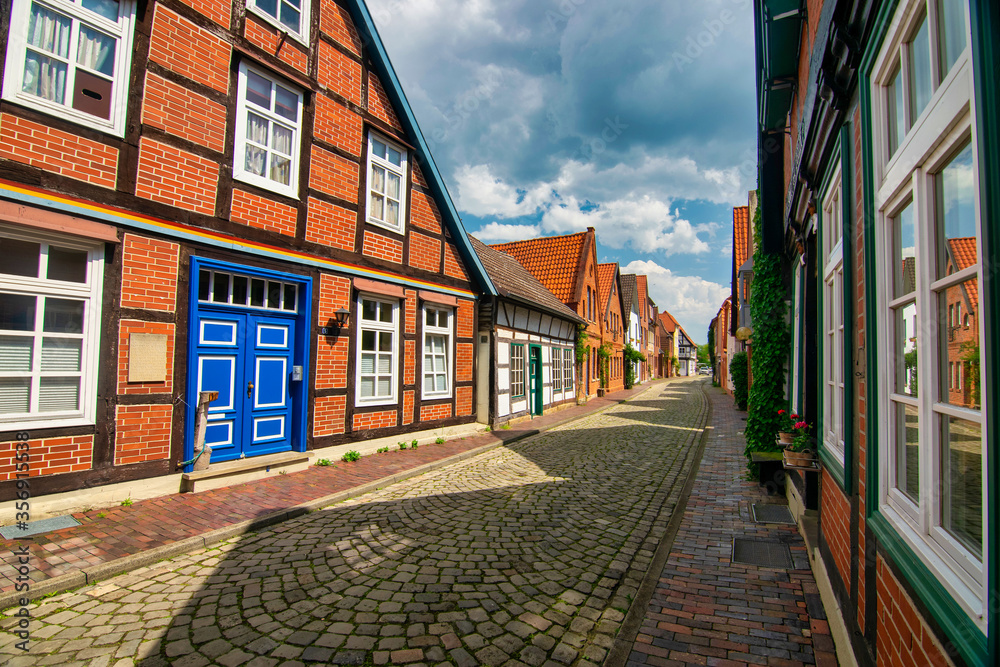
(17, 47)
(557, 370)
(833, 319)
(440, 332)
(378, 162)
(243, 108)
(300, 34)
(89, 292)
(569, 366)
(907, 177)
(378, 328)
(517, 370)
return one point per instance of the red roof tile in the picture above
(741, 235)
(605, 279)
(642, 291)
(553, 260)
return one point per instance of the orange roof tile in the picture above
(741, 235)
(668, 321)
(553, 260)
(642, 291)
(605, 279)
(962, 252)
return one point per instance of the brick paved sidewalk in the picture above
(707, 610)
(114, 540)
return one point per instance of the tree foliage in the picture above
(631, 356)
(739, 371)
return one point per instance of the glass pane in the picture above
(268, 6)
(367, 387)
(257, 129)
(907, 451)
(96, 51)
(63, 316)
(14, 395)
(67, 265)
(204, 284)
(281, 170)
(106, 8)
(15, 354)
(430, 319)
(44, 77)
(256, 159)
(442, 318)
(958, 308)
(62, 355)
(17, 312)
(921, 86)
(439, 364)
(956, 215)
(392, 212)
(428, 384)
(377, 207)
(442, 384)
(220, 289)
(385, 312)
(384, 364)
(49, 31)
(383, 387)
(394, 156)
(258, 90)
(368, 310)
(281, 141)
(368, 341)
(257, 293)
(906, 350)
(289, 302)
(896, 118)
(428, 362)
(290, 17)
(286, 103)
(904, 252)
(368, 363)
(962, 482)
(20, 258)
(385, 342)
(59, 394)
(273, 295)
(240, 290)
(951, 32)
(378, 148)
(378, 179)
(392, 185)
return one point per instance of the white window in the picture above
(378, 333)
(268, 132)
(928, 245)
(831, 234)
(71, 58)
(386, 183)
(289, 16)
(246, 291)
(569, 358)
(516, 370)
(437, 352)
(50, 314)
(557, 380)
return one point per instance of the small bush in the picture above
(440, 441)
(403, 445)
(381, 450)
(414, 443)
(127, 502)
(324, 462)
(351, 456)
(739, 372)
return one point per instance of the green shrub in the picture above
(324, 462)
(440, 441)
(351, 456)
(738, 371)
(403, 445)
(381, 450)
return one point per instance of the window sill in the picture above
(375, 402)
(43, 424)
(396, 230)
(302, 40)
(269, 185)
(68, 114)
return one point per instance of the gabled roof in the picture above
(629, 294)
(394, 90)
(741, 235)
(513, 281)
(668, 321)
(554, 260)
(642, 292)
(606, 277)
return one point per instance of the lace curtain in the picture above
(49, 35)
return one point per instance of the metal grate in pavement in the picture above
(772, 513)
(38, 527)
(761, 553)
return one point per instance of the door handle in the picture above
(249, 389)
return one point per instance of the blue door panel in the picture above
(271, 378)
(219, 373)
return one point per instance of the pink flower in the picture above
(781, 412)
(799, 425)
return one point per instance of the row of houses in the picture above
(880, 191)
(202, 196)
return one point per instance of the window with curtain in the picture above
(516, 370)
(290, 16)
(268, 132)
(49, 328)
(557, 380)
(386, 183)
(437, 352)
(378, 332)
(71, 58)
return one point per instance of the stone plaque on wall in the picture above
(147, 357)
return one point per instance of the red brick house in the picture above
(205, 195)
(614, 332)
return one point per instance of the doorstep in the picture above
(243, 470)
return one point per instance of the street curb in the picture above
(618, 655)
(94, 573)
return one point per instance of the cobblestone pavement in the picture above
(708, 610)
(527, 555)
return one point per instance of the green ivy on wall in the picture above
(631, 356)
(739, 371)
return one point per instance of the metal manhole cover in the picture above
(771, 513)
(761, 553)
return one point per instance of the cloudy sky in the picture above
(635, 117)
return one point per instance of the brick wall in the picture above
(333, 175)
(425, 252)
(338, 125)
(372, 420)
(183, 113)
(183, 47)
(835, 510)
(452, 264)
(336, 23)
(408, 406)
(217, 10)
(330, 225)
(378, 103)
(433, 412)
(465, 320)
(463, 362)
(267, 37)
(332, 353)
(263, 213)
(424, 212)
(48, 456)
(329, 415)
(409, 365)
(463, 396)
(142, 433)
(383, 247)
(149, 273)
(60, 152)
(126, 327)
(171, 176)
(410, 312)
(903, 637)
(339, 73)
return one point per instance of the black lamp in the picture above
(336, 323)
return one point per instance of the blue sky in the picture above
(635, 117)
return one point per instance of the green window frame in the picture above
(517, 370)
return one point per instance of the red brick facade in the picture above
(60, 152)
(49, 456)
(149, 273)
(142, 433)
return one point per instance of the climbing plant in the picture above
(631, 356)
(581, 343)
(603, 357)
(739, 372)
(769, 349)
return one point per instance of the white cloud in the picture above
(692, 300)
(498, 233)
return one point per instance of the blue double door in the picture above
(247, 358)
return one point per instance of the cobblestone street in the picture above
(529, 554)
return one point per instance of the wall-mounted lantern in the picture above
(336, 323)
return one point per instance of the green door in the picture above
(535, 380)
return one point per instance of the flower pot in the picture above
(786, 437)
(803, 459)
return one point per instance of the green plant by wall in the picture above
(351, 456)
(581, 343)
(770, 347)
(603, 359)
(739, 371)
(631, 356)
